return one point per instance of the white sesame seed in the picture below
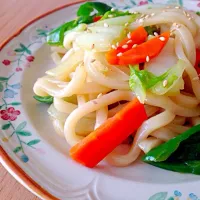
(164, 11)
(162, 38)
(119, 54)
(195, 78)
(177, 7)
(125, 46)
(152, 14)
(100, 95)
(142, 15)
(135, 12)
(114, 47)
(129, 41)
(92, 46)
(188, 15)
(110, 16)
(129, 35)
(189, 18)
(147, 16)
(178, 26)
(117, 44)
(89, 31)
(105, 25)
(135, 45)
(156, 34)
(184, 12)
(174, 24)
(141, 20)
(112, 9)
(165, 82)
(126, 24)
(147, 59)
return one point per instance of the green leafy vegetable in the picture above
(115, 13)
(84, 13)
(47, 99)
(198, 13)
(89, 7)
(151, 30)
(142, 80)
(180, 154)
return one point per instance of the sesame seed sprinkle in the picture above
(164, 10)
(147, 59)
(125, 46)
(189, 18)
(105, 25)
(184, 12)
(162, 38)
(188, 15)
(142, 15)
(129, 35)
(129, 41)
(165, 82)
(119, 54)
(112, 9)
(135, 12)
(126, 24)
(99, 95)
(114, 47)
(177, 7)
(156, 34)
(141, 20)
(152, 14)
(135, 45)
(147, 16)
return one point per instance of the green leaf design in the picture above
(5, 126)
(159, 196)
(33, 142)
(3, 78)
(15, 103)
(18, 50)
(25, 49)
(21, 126)
(42, 32)
(24, 133)
(1, 87)
(171, 198)
(17, 149)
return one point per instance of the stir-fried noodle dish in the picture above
(126, 86)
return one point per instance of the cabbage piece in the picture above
(140, 81)
(117, 20)
(101, 38)
(115, 13)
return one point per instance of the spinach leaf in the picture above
(198, 13)
(181, 154)
(89, 7)
(47, 99)
(151, 30)
(84, 13)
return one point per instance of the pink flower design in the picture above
(18, 69)
(11, 53)
(9, 114)
(143, 3)
(30, 58)
(198, 4)
(6, 62)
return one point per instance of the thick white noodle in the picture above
(166, 103)
(143, 132)
(91, 106)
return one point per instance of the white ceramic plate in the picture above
(38, 158)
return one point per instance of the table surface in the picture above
(13, 15)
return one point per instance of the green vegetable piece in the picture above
(142, 80)
(180, 154)
(84, 13)
(115, 13)
(151, 30)
(198, 13)
(47, 99)
(87, 8)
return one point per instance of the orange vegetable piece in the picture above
(98, 144)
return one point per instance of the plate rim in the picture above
(11, 167)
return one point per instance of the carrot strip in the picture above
(150, 48)
(197, 64)
(98, 144)
(138, 36)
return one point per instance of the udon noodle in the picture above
(87, 90)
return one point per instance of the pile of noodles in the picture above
(87, 90)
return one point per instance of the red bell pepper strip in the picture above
(98, 144)
(197, 64)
